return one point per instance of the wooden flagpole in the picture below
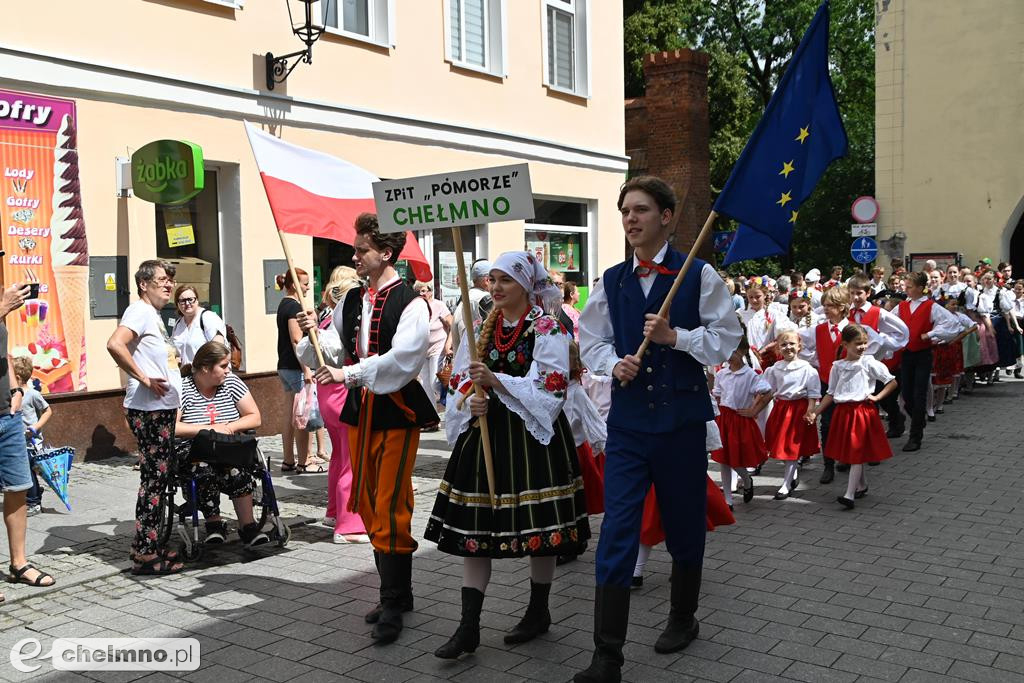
(313, 338)
(667, 304)
(467, 315)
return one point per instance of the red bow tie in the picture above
(647, 267)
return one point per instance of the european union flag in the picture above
(799, 135)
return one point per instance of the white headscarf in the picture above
(526, 270)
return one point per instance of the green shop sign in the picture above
(167, 171)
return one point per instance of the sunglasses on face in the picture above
(187, 301)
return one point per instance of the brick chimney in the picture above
(675, 111)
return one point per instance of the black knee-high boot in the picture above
(682, 627)
(395, 579)
(537, 619)
(611, 619)
(373, 616)
(467, 635)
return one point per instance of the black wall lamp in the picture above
(308, 28)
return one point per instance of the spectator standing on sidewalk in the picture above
(35, 412)
(141, 348)
(15, 479)
(196, 326)
(292, 374)
(440, 328)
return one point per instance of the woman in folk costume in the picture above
(796, 388)
(988, 351)
(858, 436)
(997, 304)
(541, 509)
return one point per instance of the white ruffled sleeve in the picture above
(456, 419)
(538, 397)
(584, 419)
(330, 346)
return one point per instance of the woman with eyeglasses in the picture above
(141, 348)
(196, 326)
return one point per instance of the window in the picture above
(368, 20)
(474, 34)
(566, 45)
(558, 236)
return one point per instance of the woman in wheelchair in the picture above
(213, 398)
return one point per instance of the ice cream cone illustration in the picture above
(69, 249)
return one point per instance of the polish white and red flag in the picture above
(316, 194)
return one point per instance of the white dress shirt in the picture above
(987, 299)
(810, 320)
(764, 324)
(809, 341)
(389, 372)
(710, 344)
(852, 381)
(737, 389)
(893, 333)
(945, 326)
(793, 380)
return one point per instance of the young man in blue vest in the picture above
(656, 426)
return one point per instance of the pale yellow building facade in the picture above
(949, 172)
(399, 87)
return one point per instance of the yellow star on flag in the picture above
(792, 219)
(804, 134)
(784, 198)
(787, 168)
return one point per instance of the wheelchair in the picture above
(264, 500)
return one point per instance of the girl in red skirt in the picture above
(796, 387)
(856, 435)
(741, 394)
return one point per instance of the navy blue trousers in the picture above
(676, 463)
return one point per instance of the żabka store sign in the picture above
(44, 237)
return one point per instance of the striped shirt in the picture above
(223, 407)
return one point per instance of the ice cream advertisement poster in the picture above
(44, 236)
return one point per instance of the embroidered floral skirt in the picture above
(541, 509)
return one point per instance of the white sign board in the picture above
(863, 229)
(448, 200)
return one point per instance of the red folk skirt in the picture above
(788, 436)
(718, 514)
(742, 443)
(856, 435)
(948, 361)
(592, 470)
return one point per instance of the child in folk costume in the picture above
(524, 367)
(589, 433)
(970, 348)
(651, 531)
(800, 312)
(742, 394)
(948, 363)
(796, 388)
(763, 320)
(929, 323)
(857, 436)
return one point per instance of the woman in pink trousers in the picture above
(348, 526)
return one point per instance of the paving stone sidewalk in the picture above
(923, 581)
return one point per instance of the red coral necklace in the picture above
(502, 342)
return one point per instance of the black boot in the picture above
(611, 618)
(829, 473)
(467, 635)
(682, 625)
(373, 616)
(537, 619)
(395, 579)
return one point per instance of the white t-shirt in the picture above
(793, 380)
(188, 338)
(851, 381)
(155, 355)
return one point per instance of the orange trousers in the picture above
(382, 464)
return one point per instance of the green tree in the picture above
(750, 43)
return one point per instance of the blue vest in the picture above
(671, 389)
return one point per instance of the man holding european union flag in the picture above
(659, 405)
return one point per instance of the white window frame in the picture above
(495, 39)
(580, 11)
(380, 18)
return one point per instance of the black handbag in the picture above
(213, 448)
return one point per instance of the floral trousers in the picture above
(154, 432)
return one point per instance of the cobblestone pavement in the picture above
(924, 581)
